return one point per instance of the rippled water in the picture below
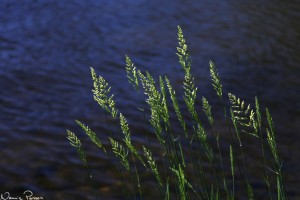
(47, 47)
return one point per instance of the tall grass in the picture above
(190, 163)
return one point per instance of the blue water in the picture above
(47, 47)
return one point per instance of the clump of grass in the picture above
(188, 165)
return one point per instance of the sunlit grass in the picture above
(190, 163)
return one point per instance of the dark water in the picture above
(47, 47)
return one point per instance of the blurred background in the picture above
(47, 48)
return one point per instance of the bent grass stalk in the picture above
(177, 174)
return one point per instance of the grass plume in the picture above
(182, 159)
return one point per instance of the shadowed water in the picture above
(47, 47)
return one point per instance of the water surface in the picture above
(47, 47)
